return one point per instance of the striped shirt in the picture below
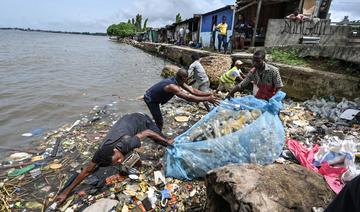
(269, 75)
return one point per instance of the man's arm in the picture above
(240, 86)
(154, 136)
(84, 173)
(277, 81)
(191, 98)
(195, 91)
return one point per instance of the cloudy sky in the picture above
(96, 15)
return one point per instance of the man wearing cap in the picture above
(126, 135)
(228, 79)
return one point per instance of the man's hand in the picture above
(170, 141)
(215, 93)
(61, 198)
(214, 99)
(229, 96)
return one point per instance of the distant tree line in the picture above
(132, 26)
(53, 31)
(128, 29)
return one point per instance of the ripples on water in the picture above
(47, 80)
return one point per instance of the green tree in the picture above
(133, 21)
(121, 30)
(129, 22)
(138, 20)
(145, 23)
(178, 18)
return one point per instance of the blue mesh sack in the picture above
(240, 130)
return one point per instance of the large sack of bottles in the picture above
(239, 130)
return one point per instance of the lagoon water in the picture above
(48, 80)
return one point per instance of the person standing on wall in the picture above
(222, 36)
(181, 36)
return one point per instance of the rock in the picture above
(169, 70)
(275, 187)
(215, 66)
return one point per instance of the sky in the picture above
(97, 15)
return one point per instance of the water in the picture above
(48, 80)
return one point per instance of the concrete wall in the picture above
(300, 83)
(281, 32)
(334, 40)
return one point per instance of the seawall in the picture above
(299, 82)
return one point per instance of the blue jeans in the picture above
(222, 39)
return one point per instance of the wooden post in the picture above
(256, 22)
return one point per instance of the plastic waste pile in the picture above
(242, 130)
(327, 134)
(224, 122)
(331, 109)
(31, 179)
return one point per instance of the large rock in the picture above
(275, 187)
(215, 66)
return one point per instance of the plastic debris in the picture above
(35, 172)
(21, 171)
(37, 158)
(349, 114)
(55, 166)
(33, 205)
(159, 177)
(181, 118)
(19, 156)
(33, 132)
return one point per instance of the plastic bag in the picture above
(259, 142)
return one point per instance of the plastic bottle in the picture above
(253, 158)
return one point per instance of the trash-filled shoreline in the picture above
(30, 182)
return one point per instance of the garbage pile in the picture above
(326, 137)
(30, 180)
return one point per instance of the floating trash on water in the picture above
(37, 158)
(19, 156)
(33, 132)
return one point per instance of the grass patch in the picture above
(288, 57)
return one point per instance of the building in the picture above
(260, 12)
(208, 37)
